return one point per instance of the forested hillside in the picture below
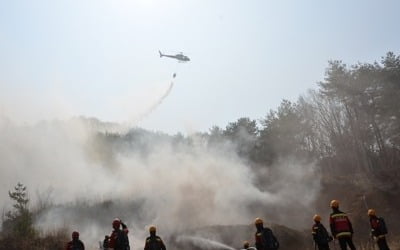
(338, 141)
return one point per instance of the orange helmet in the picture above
(371, 212)
(258, 221)
(152, 229)
(334, 204)
(317, 217)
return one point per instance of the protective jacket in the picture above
(154, 243)
(266, 240)
(320, 234)
(378, 227)
(75, 245)
(119, 240)
(340, 224)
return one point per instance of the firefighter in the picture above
(105, 242)
(119, 238)
(75, 243)
(378, 229)
(341, 227)
(154, 242)
(320, 234)
(265, 239)
(246, 246)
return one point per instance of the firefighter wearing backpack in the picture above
(378, 229)
(75, 243)
(154, 242)
(119, 238)
(320, 234)
(265, 239)
(341, 227)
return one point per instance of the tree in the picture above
(286, 131)
(20, 220)
(243, 133)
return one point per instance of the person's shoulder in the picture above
(338, 212)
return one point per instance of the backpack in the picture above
(269, 239)
(382, 226)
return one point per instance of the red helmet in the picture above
(116, 223)
(75, 235)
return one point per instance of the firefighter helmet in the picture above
(116, 223)
(317, 217)
(152, 229)
(334, 204)
(371, 212)
(75, 235)
(258, 221)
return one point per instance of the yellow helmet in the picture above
(371, 212)
(317, 218)
(246, 244)
(258, 221)
(152, 229)
(334, 204)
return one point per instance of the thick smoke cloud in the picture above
(175, 186)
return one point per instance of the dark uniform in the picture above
(119, 238)
(378, 230)
(264, 238)
(154, 243)
(75, 243)
(321, 236)
(246, 246)
(105, 242)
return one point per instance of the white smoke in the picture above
(174, 186)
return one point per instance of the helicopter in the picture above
(180, 57)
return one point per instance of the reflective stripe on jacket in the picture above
(340, 224)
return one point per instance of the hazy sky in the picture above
(99, 58)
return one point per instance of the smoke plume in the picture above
(175, 185)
